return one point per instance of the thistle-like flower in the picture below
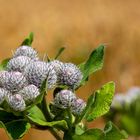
(78, 106)
(18, 63)
(36, 72)
(16, 102)
(57, 65)
(29, 93)
(69, 75)
(26, 51)
(13, 81)
(64, 99)
(3, 94)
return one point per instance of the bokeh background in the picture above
(80, 26)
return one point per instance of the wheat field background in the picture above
(80, 26)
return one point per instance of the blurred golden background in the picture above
(80, 26)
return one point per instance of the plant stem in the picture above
(45, 109)
(55, 134)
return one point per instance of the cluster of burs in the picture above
(20, 82)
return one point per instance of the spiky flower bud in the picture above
(26, 51)
(29, 93)
(3, 77)
(38, 71)
(3, 94)
(18, 63)
(78, 106)
(16, 102)
(14, 81)
(69, 75)
(57, 65)
(64, 99)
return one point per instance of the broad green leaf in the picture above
(35, 112)
(130, 124)
(113, 133)
(103, 99)
(7, 117)
(93, 64)
(91, 134)
(59, 52)
(28, 41)
(36, 116)
(79, 130)
(16, 129)
(4, 64)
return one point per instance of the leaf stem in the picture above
(45, 109)
(55, 134)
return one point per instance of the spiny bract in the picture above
(3, 94)
(37, 72)
(14, 81)
(18, 63)
(29, 93)
(26, 51)
(69, 75)
(78, 106)
(64, 99)
(16, 102)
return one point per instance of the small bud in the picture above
(18, 63)
(14, 81)
(29, 93)
(16, 102)
(26, 51)
(3, 94)
(64, 99)
(69, 75)
(78, 106)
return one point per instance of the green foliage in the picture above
(28, 41)
(111, 131)
(39, 115)
(91, 134)
(103, 99)
(4, 64)
(16, 128)
(127, 117)
(36, 116)
(59, 52)
(93, 64)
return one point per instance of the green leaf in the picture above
(4, 63)
(103, 99)
(59, 52)
(79, 129)
(28, 41)
(111, 131)
(36, 116)
(91, 134)
(93, 64)
(7, 117)
(16, 129)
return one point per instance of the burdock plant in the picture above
(24, 84)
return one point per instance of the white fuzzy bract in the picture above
(18, 63)
(26, 51)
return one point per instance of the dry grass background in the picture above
(80, 26)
